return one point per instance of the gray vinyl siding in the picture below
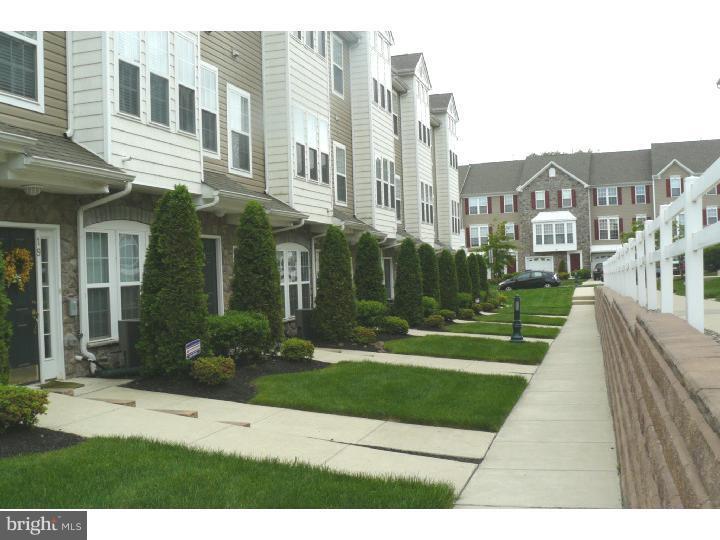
(54, 119)
(244, 72)
(341, 120)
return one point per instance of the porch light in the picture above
(32, 190)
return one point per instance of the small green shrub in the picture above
(447, 314)
(394, 325)
(20, 406)
(434, 321)
(464, 300)
(297, 350)
(5, 326)
(370, 312)
(502, 298)
(238, 334)
(563, 275)
(582, 273)
(562, 267)
(477, 308)
(213, 370)
(430, 306)
(466, 314)
(364, 335)
(486, 306)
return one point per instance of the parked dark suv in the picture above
(530, 279)
(597, 274)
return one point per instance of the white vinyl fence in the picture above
(632, 271)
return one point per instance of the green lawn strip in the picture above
(415, 395)
(470, 348)
(712, 287)
(61, 384)
(550, 301)
(137, 473)
(508, 317)
(500, 329)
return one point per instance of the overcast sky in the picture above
(533, 79)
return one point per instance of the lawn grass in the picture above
(508, 317)
(712, 287)
(470, 348)
(411, 394)
(500, 329)
(550, 301)
(60, 384)
(137, 473)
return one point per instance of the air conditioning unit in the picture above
(128, 336)
(304, 324)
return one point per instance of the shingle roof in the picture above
(496, 177)
(608, 168)
(226, 184)
(402, 63)
(59, 148)
(697, 155)
(348, 217)
(577, 164)
(440, 102)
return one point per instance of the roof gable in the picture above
(546, 167)
(444, 103)
(694, 156)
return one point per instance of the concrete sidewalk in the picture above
(557, 447)
(712, 311)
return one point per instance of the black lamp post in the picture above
(517, 325)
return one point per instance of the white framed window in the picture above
(607, 196)
(324, 135)
(114, 259)
(310, 39)
(508, 204)
(510, 231)
(300, 134)
(186, 73)
(128, 52)
(239, 134)
(455, 216)
(478, 205)
(551, 172)
(640, 194)
(675, 186)
(711, 215)
(322, 43)
(338, 67)
(340, 162)
(385, 192)
(158, 66)
(388, 277)
(609, 228)
(22, 72)
(294, 266)
(640, 218)
(566, 198)
(556, 233)
(313, 143)
(479, 235)
(398, 202)
(540, 202)
(209, 107)
(426, 203)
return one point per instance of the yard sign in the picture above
(192, 349)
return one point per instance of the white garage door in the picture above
(539, 263)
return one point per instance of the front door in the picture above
(574, 262)
(211, 274)
(24, 346)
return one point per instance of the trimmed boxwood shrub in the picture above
(447, 314)
(464, 300)
(370, 312)
(463, 274)
(487, 306)
(256, 278)
(582, 273)
(368, 270)
(429, 271)
(434, 321)
(5, 326)
(173, 303)
(430, 306)
(297, 350)
(466, 314)
(334, 316)
(394, 325)
(364, 335)
(213, 370)
(448, 281)
(408, 289)
(20, 406)
(242, 334)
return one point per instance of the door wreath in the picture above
(18, 265)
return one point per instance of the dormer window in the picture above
(551, 172)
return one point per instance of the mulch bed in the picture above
(239, 389)
(24, 440)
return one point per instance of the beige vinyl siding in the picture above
(244, 72)
(88, 91)
(341, 119)
(54, 119)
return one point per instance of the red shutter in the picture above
(704, 217)
(517, 232)
(467, 234)
(489, 229)
(574, 199)
(667, 187)
(559, 198)
(648, 193)
(619, 195)
(632, 194)
(502, 204)
(467, 206)
(547, 200)
(515, 203)
(532, 199)
(633, 220)
(682, 185)
(621, 225)
(717, 189)
(596, 226)
(489, 205)
(594, 196)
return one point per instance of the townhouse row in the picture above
(320, 127)
(576, 207)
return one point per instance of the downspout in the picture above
(70, 78)
(291, 227)
(82, 278)
(214, 202)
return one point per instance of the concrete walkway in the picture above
(415, 332)
(557, 447)
(712, 311)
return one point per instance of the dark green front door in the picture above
(211, 274)
(24, 347)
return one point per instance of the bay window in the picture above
(427, 203)
(21, 70)
(455, 216)
(300, 137)
(128, 50)
(558, 235)
(385, 182)
(239, 138)
(340, 173)
(293, 262)
(607, 196)
(312, 143)
(158, 66)
(209, 108)
(640, 195)
(185, 71)
(312, 146)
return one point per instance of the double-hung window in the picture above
(338, 67)
(566, 198)
(324, 135)
(21, 70)
(482, 235)
(540, 202)
(186, 72)
(640, 218)
(209, 108)
(312, 142)
(398, 203)
(510, 231)
(299, 131)
(427, 203)
(455, 216)
(128, 50)
(340, 173)
(322, 46)
(310, 39)
(159, 69)
(508, 204)
(548, 230)
(239, 138)
(478, 205)
(607, 196)
(293, 263)
(640, 195)
(395, 113)
(711, 215)
(609, 228)
(675, 186)
(384, 182)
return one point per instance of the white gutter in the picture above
(291, 227)
(82, 278)
(70, 78)
(214, 202)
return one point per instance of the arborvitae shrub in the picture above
(5, 326)
(173, 304)
(562, 267)
(256, 279)
(408, 289)
(474, 271)
(334, 317)
(461, 269)
(448, 281)
(429, 271)
(482, 266)
(368, 271)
